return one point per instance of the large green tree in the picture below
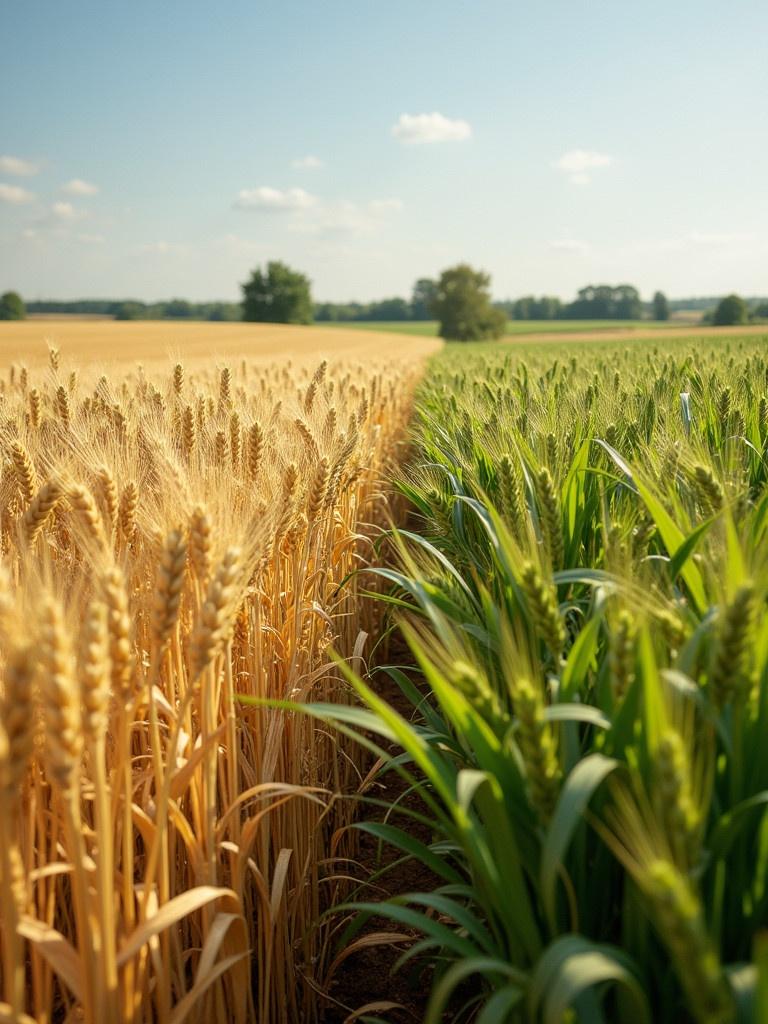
(730, 311)
(12, 306)
(462, 304)
(277, 295)
(660, 306)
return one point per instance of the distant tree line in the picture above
(418, 307)
(595, 302)
(133, 309)
(282, 295)
(703, 304)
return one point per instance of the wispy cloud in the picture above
(15, 165)
(569, 245)
(78, 187)
(91, 239)
(417, 129)
(66, 212)
(344, 217)
(578, 163)
(15, 195)
(307, 163)
(267, 198)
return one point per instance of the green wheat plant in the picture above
(583, 589)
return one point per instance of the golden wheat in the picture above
(165, 848)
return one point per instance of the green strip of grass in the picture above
(516, 327)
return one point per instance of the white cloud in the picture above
(65, 211)
(91, 239)
(307, 163)
(413, 129)
(569, 245)
(576, 163)
(267, 198)
(78, 187)
(15, 165)
(15, 195)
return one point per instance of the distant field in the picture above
(553, 331)
(146, 341)
(516, 327)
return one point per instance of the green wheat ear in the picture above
(510, 493)
(538, 747)
(680, 921)
(551, 519)
(730, 667)
(621, 654)
(675, 805)
(542, 603)
(708, 489)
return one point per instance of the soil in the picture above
(366, 976)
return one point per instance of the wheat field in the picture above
(174, 537)
(153, 343)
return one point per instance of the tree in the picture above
(12, 306)
(729, 311)
(605, 302)
(660, 306)
(279, 296)
(423, 296)
(462, 304)
(523, 307)
(178, 308)
(130, 310)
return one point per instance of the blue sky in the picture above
(159, 149)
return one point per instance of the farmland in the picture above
(587, 584)
(567, 330)
(209, 561)
(130, 342)
(173, 540)
(518, 327)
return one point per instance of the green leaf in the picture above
(730, 824)
(576, 793)
(406, 842)
(447, 938)
(454, 976)
(580, 659)
(674, 538)
(577, 713)
(496, 1010)
(571, 966)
